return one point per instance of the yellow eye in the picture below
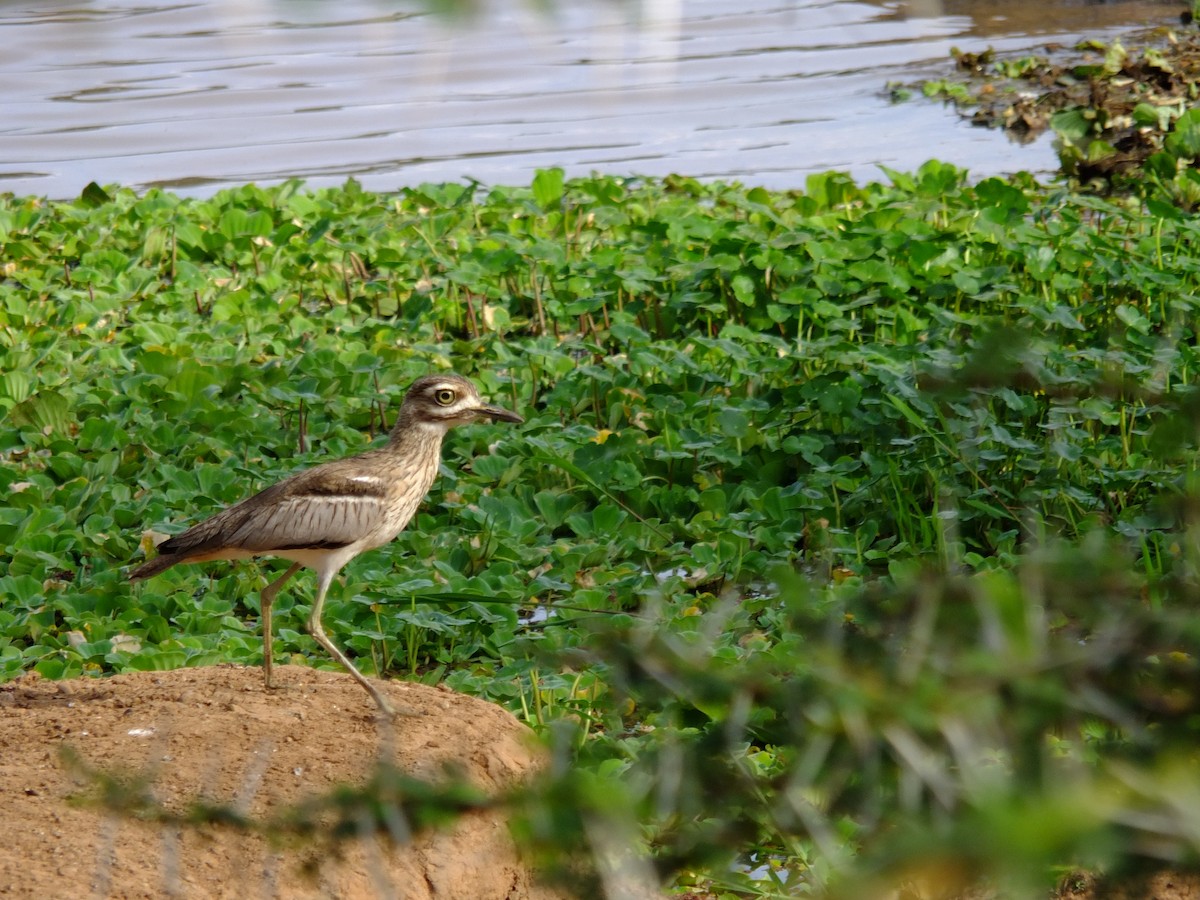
(444, 397)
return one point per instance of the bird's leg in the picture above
(324, 578)
(266, 598)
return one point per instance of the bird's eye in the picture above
(444, 397)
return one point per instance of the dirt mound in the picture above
(1159, 885)
(215, 734)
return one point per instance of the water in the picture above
(196, 95)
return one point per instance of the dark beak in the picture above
(497, 414)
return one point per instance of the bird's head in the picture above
(448, 400)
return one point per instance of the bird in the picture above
(323, 517)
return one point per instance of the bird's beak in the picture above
(497, 414)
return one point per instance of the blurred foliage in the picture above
(852, 529)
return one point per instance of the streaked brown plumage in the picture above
(325, 516)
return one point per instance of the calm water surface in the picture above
(195, 96)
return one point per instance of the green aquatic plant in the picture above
(884, 455)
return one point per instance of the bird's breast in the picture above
(409, 483)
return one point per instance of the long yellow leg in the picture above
(266, 598)
(324, 578)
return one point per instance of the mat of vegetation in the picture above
(852, 534)
(1122, 113)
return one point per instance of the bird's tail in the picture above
(152, 567)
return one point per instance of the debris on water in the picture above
(1111, 105)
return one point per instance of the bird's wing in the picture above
(322, 508)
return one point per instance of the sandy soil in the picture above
(1163, 885)
(214, 733)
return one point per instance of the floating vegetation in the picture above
(953, 427)
(1117, 110)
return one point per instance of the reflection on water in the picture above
(196, 95)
